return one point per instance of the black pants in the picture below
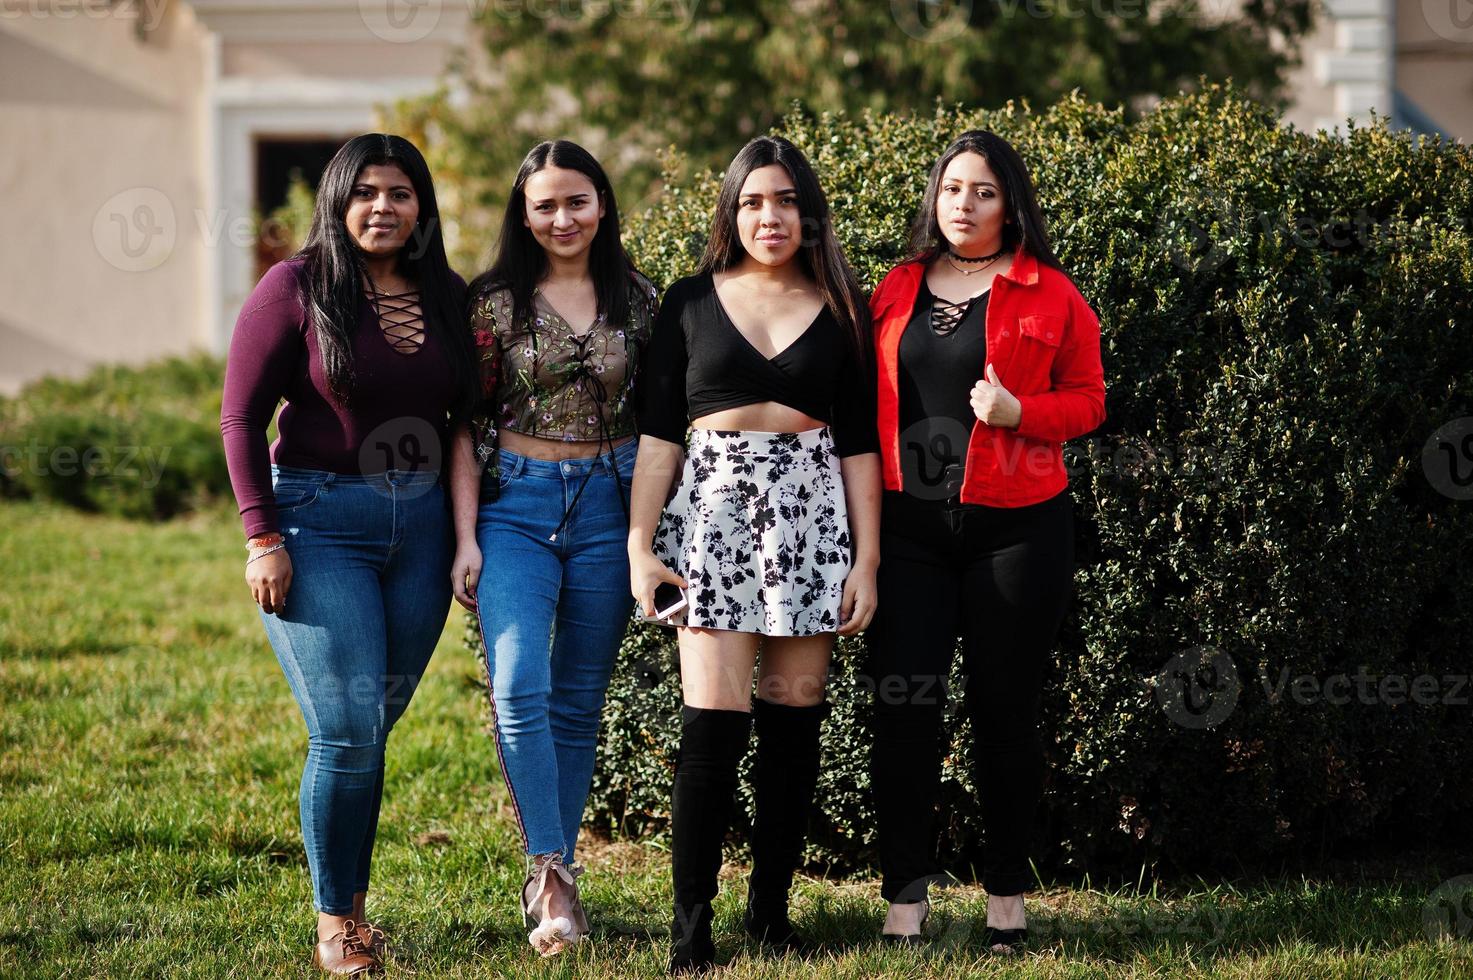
(1001, 578)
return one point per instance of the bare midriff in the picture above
(553, 450)
(759, 417)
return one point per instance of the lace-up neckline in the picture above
(400, 318)
(946, 316)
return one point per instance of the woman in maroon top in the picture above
(361, 333)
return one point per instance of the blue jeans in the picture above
(552, 616)
(369, 597)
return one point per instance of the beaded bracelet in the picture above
(268, 539)
(263, 552)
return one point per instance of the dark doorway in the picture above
(279, 160)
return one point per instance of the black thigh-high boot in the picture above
(712, 743)
(784, 780)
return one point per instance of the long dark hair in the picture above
(820, 254)
(521, 262)
(1027, 227)
(335, 269)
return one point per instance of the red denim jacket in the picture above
(1044, 342)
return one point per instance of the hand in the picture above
(860, 600)
(465, 574)
(994, 404)
(270, 578)
(645, 573)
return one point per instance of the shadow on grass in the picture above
(1219, 923)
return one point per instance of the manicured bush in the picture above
(135, 441)
(1287, 321)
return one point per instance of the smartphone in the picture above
(669, 600)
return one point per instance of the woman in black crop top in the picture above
(763, 359)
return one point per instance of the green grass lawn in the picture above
(149, 756)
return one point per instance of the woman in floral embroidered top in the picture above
(540, 485)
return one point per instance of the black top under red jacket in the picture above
(1044, 342)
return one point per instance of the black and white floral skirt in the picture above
(758, 527)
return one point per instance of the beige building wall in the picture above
(130, 133)
(1434, 63)
(1409, 60)
(101, 177)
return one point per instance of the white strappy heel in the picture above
(554, 935)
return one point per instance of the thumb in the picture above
(992, 375)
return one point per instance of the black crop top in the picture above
(698, 362)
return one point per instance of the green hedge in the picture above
(136, 441)
(1287, 320)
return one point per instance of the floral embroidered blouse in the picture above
(541, 379)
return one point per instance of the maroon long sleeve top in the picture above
(274, 356)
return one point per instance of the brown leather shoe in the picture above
(374, 938)
(345, 954)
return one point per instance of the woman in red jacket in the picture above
(989, 358)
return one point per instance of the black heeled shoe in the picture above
(1015, 941)
(910, 938)
(775, 934)
(693, 952)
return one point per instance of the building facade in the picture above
(144, 137)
